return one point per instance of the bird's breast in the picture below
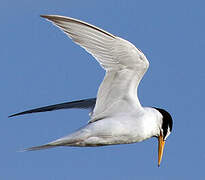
(118, 130)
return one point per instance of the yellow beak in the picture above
(161, 144)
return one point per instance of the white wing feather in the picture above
(125, 65)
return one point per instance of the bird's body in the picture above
(117, 116)
(123, 128)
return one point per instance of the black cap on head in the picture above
(167, 121)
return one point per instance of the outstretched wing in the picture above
(125, 65)
(81, 104)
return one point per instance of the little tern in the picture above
(117, 116)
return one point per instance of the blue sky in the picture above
(40, 66)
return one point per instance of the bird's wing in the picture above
(81, 104)
(125, 65)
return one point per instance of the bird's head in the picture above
(165, 130)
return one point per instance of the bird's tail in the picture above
(45, 146)
(74, 139)
(65, 141)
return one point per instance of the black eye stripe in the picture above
(167, 121)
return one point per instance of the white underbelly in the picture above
(108, 131)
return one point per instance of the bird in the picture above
(117, 116)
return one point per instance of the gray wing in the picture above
(125, 65)
(81, 104)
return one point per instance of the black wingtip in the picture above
(43, 16)
(81, 104)
(11, 116)
(46, 16)
(17, 114)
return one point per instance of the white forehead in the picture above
(168, 133)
